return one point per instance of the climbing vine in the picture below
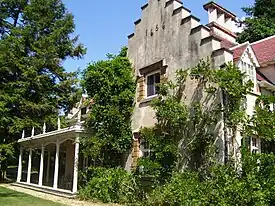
(184, 135)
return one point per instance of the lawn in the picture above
(12, 198)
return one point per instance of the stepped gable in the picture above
(220, 9)
(168, 30)
(265, 50)
(221, 21)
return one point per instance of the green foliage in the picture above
(183, 189)
(108, 185)
(263, 120)
(171, 115)
(6, 154)
(260, 23)
(148, 176)
(111, 84)
(221, 185)
(35, 38)
(231, 81)
(185, 137)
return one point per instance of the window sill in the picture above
(148, 99)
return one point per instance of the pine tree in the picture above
(35, 39)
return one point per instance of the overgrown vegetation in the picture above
(221, 185)
(111, 85)
(108, 185)
(183, 168)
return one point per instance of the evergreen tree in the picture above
(35, 39)
(261, 21)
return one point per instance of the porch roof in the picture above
(51, 137)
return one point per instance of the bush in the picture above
(218, 185)
(108, 185)
(221, 185)
(183, 189)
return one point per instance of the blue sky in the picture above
(103, 25)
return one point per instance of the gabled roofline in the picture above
(262, 40)
(248, 45)
(239, 45)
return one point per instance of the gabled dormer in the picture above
(245, 58)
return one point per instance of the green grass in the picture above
(12, 198)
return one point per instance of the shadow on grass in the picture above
(11, 194)
(6, 181)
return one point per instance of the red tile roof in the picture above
(238, 52)
(265, 50)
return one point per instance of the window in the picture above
(83, 110)
(145, 148)
(255, 143)
(249, 70)
(151, 82)
(244, 103)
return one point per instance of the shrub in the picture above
(222, 185)
(108, 185)
(183, 189)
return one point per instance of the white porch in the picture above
(50, 160)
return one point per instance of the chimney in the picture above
(221, 21)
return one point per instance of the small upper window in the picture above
(83, 110)
(145, 148)
(152, 87)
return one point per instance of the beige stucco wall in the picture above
(163, 35)
(269, 72)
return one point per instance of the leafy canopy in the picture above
(111, 85)
(260, 22)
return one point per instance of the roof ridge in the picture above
(262, 40)
(240, 45)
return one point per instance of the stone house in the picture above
(168, 37)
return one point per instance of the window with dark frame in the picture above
(145, 148)
(152, 87)
(83, 110)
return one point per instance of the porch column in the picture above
(19, 171)
(48, 166)
(29, 167)
(75, 177)
(41, 166)
(56, 166)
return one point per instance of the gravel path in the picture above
(54, 198)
